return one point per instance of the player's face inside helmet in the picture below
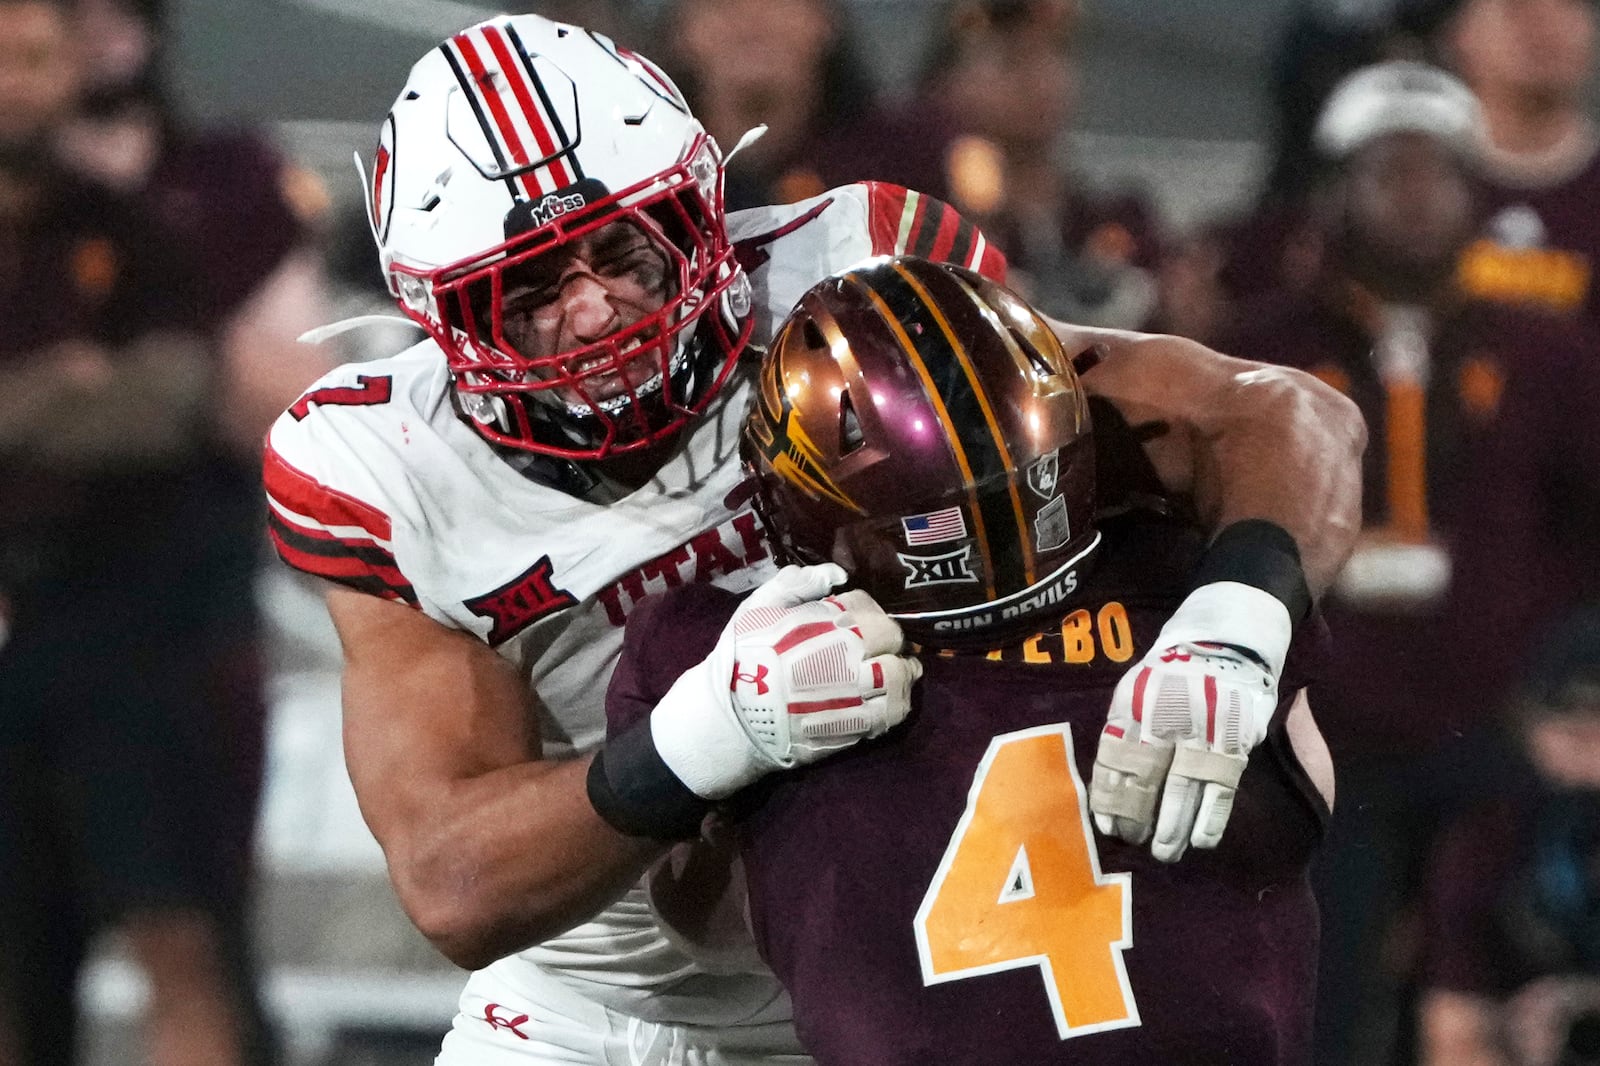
(549, 210)
(601, 331)
(571, 297)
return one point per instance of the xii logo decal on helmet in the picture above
(952, 569)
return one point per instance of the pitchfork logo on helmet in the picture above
(523, 157)
(902, 408)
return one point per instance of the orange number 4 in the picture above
(1020, 885)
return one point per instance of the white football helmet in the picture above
(519, 135)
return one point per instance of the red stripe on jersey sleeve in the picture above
(991, 263)
(937, 231)
(333, 556)
(359, 564)
(303, 494)
(885, 204)
(945, 237)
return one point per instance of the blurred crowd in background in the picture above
(1435, 262)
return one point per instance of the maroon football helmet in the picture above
(921, 426)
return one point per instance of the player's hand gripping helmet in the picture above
(519, 148)
(921, 426)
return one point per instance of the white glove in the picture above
(1184, 720)
(796, 675)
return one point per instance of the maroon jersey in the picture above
(1540, 245)
(1506, 433)
(940, 895)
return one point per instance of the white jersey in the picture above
(376, 482)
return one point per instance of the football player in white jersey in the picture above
(490, 505)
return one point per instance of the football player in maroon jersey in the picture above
(942, 894)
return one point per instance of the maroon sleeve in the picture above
(666, 635)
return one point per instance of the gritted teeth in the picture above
(610, 360)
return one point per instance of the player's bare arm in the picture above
(1243, 439)
(1271, 459)
(491, 848)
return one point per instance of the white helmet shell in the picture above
(519, 132)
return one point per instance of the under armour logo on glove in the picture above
(797, 674)
(758, 679)
(1184, 720)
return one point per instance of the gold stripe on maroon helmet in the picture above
(950, 433)
(1024, 534)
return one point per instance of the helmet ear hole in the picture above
(850, 435)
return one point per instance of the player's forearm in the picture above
(1281, 446)
(509, 859)
(1241, 439)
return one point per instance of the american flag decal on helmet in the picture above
(532, 147)
(936, 527)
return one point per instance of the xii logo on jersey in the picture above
(954, 568)
(520, 602)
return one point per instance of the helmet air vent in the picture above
(813, 335)
(1041, 365)
(850, 435)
